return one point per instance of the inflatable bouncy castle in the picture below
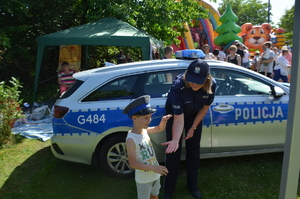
(278, 37)
(228, 30)
(255, 36)
(202, 31)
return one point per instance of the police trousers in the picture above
(192, 156)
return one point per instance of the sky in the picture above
(278, 8)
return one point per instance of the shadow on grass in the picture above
(43, 176)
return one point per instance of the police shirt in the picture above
(182, 99)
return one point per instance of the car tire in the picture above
(113, 157)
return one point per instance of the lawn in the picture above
(29, 171)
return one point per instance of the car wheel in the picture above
(114, 159)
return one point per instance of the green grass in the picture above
(29, 171)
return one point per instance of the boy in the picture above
(141, 155)
(266, 55)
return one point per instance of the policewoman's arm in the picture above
(177, 130)
(199, 117)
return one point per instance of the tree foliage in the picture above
(161, 18)
(9, 108)
(287, 23)
(23, 21)
(248, 11)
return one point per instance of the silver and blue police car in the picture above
(248, 115)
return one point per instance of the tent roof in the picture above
(106, 32)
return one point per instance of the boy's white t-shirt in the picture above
(145, 154)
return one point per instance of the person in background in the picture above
(266, 65)
(288, 56)
(128, 58)
(208, 54)
(188, 100)
(216, 53)
(281, 67)
(141, 155)
(222, 55)
(233, 57)
(65, 77)
(156, 55)
(240, 50)
(245, 60)
(120, 57)
(168, 52)
(254, 63)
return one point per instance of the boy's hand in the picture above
(166, 117)
(162, 170)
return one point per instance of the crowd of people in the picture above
(272, 62)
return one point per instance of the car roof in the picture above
(165, 64)
(144, 66)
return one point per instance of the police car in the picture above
(248, 115)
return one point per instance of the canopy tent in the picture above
(106, 32)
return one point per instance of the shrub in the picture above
(9, 108)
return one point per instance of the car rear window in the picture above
(72, 89)
(122, 88)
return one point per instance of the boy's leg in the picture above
(143, 190)
(155, 189)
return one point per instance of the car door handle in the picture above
(223, 108)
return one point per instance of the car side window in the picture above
(122, 88)
(157, 84)
(239, 84)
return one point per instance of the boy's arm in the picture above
(137, 165)
(161, 126)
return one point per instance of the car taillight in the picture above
(60, 111)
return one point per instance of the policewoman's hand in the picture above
(172, 146)
(190, 134)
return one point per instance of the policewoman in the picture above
(188, 101)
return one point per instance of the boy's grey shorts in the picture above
(146, 189)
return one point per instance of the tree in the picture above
(23, 21)
(162, 19)
(228, 30)
(287, 23)
(248, 11)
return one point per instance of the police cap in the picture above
(139, 106)
(197, 72)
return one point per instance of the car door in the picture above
(246, 115)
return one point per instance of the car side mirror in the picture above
(278, 92)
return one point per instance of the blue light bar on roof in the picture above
(189, 54)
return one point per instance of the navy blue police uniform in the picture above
(184, 100)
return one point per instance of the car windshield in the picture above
(231, 82)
